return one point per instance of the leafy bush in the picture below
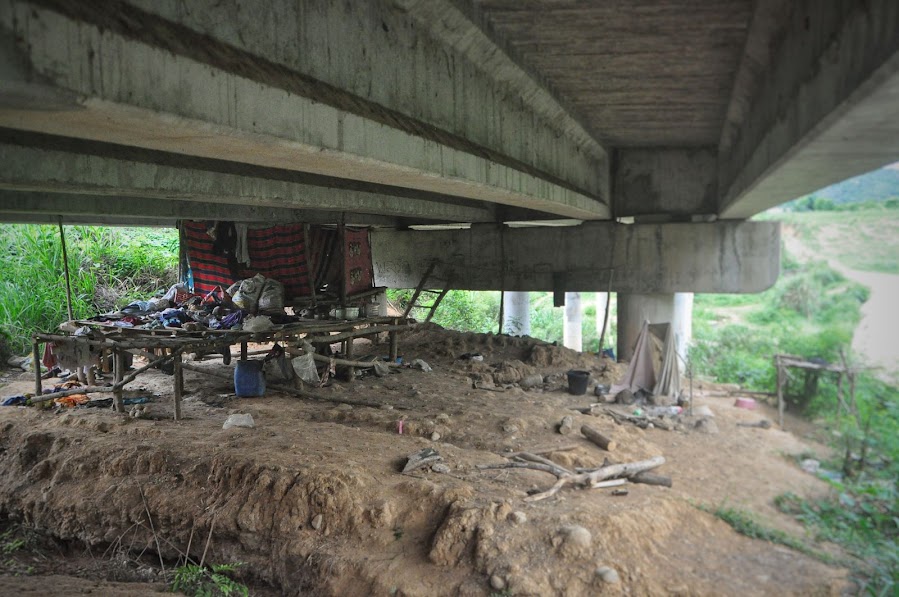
(208, 581)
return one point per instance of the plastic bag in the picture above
(247, 295)
(260, 323)
(272, 296)
(304, 367)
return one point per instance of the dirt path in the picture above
(876, 338)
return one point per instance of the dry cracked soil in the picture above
(312, 499)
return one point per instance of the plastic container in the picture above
(249, 380)
(578, 381)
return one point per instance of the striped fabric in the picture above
(209, 270)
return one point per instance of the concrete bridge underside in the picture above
(531, 130)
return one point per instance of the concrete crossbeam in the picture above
(732, 257)
(19, 206)
(37, 169)
(94, 80)
(822, 105)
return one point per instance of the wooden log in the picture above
(559, 469)
(609, 483)
(651, 479)
(598, 438)
(70, 392)
(351, 369)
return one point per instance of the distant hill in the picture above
(877, 186)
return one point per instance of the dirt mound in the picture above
(313, 501)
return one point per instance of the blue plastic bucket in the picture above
(249, 379)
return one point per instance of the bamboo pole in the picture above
(65, 262)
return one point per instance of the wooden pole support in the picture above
(119, 373)
(598, 438)
(394, 344)
(243, 350)
(350, 370)
(179, 386)
(36, 357)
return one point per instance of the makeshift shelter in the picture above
(307, 260)
(653, 368)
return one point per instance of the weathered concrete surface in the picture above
(194, 88)
(29, 169)
(822, 106)
(714, 257)
(673, 182)
(39, 207)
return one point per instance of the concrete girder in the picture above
(44, 170)
(70, 77)
(725, 257)
(822, 107)
(18, 206)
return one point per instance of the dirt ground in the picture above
(312, 499)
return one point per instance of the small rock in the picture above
(566, 425)
(531, 381)
(386, 407)
(518, 517)
(435, 436)
(497, 582)
(420, 364)
(510, 428)
(706, 426)
(345, 407)
(440, 468)
(317, 521)
(608, 575)
(575, 541)
(443, 418)
(239, 421)
(810, 465)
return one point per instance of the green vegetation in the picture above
(746, 524)
(109, 268)
(473, 311)
(208, 581)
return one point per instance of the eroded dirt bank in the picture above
(313, 501)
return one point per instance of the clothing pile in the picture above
(218, 309)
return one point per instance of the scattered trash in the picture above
(420, 364)
(260, 323)
(763, 424)
(399, 426)
(14, 401)
(661, 411)
(239, 420)
(304, 367)
(421, 459)
(619, 492)
(601, 390)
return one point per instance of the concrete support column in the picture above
(673, 308)
(516, 313)
(633, 310)
(573, 316)
(683, 323)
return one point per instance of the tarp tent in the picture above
(653, 367)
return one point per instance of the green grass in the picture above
(109, 268)
(746, 524)
(208, 581)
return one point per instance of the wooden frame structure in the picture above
(173, 343)
(783, 362)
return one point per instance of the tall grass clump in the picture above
(108, 268)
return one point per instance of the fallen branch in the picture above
(536, 466)
(628, 469)
(559, 470)
(542, 451)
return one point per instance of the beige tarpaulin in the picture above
(653, 367)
